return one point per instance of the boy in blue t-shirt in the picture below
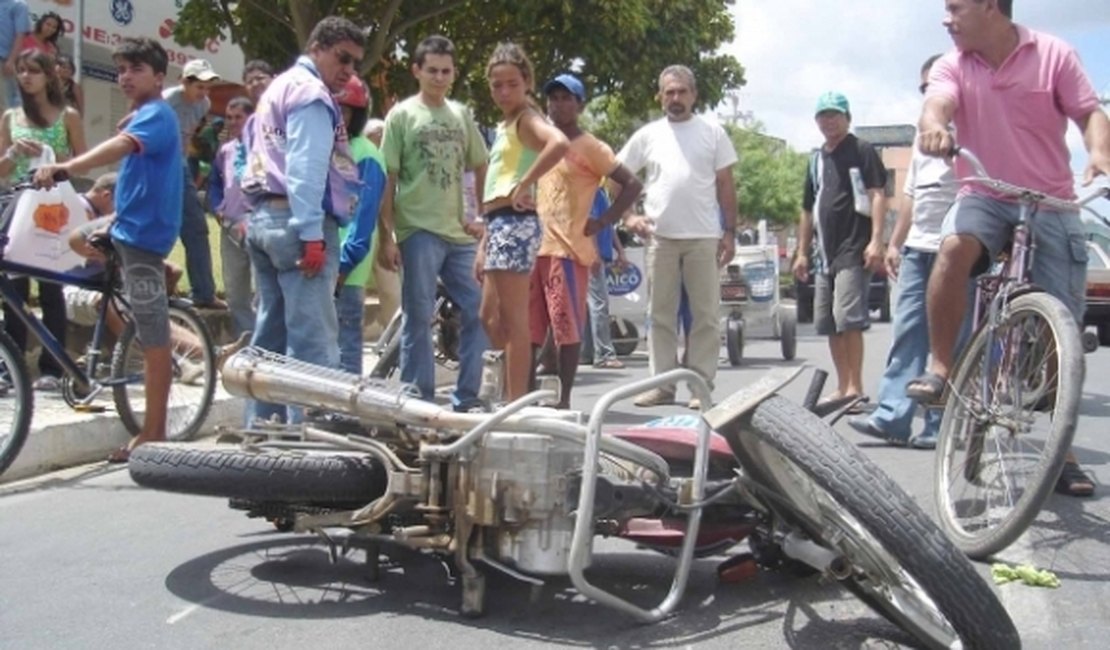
(148, 215)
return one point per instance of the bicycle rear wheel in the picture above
(16, 401)
(1008, 424)
(194, 376)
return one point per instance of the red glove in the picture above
(313, 258)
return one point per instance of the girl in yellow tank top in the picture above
(526, 147)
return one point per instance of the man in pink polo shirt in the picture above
(1010, 92)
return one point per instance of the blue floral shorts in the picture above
(512, 241)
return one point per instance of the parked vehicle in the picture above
(1098, 290)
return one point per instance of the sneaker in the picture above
(694, 404)
(655, 397)
(864, 426)
(924, 442)
(490, 390)
(224, 352)
(47, 383)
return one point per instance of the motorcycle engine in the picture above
(520, 489)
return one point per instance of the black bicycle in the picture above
(194, 358)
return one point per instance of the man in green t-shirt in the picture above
(430, 141)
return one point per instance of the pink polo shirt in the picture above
(1015, 118)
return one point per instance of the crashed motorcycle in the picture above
(526, 490)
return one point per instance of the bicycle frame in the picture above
(83, 377)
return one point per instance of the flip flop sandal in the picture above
(1074, 482)
(121, 455)
(927, 388)
(831, 405)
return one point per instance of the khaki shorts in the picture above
(840, 301)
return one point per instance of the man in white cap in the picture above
(190, 101)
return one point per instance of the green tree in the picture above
(770, 176)
(618, 47)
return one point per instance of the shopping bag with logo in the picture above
(40, 225)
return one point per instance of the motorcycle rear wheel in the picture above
(902, 565)
(268, 476)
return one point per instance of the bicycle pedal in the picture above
(89, 408)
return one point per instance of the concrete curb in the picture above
(67, 439)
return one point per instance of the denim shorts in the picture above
(512, 241)
(1060, 258)
(144, 284)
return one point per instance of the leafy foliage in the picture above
(617, 47)
(770, 176)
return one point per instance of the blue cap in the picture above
(832, 101)
(568, 82)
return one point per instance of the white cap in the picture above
(199, 69)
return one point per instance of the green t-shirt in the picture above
(429, 148)
(361, 149)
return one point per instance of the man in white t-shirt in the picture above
(929, 193)
(690, 217)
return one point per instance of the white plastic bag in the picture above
(38, 234)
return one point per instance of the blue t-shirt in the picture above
(605, 235)
(150, 184)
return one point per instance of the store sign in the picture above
(107, 22)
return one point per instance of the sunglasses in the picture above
(346, 58)
(923, 87)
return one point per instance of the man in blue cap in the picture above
(844, 191)
(568, 248)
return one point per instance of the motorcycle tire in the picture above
(285, 477)
(901, 564)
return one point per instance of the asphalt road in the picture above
(89, 560)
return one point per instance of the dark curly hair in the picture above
(53, 38)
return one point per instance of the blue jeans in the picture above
(424, 258)
(909, 350)
(350, 303)
(194, 236)
(596, 340)
(296, 314)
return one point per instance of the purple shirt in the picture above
(1015, 118)
(224, 192)
(282, 124)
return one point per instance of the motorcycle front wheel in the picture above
(901, 564)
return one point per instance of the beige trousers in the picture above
(689, 263)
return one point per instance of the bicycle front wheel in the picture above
(1008, 424)
(194, 376)
(16, 401)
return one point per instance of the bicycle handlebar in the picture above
(1034, 196)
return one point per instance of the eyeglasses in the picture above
(923, 87)
(346, 58)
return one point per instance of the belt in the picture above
(275, 201)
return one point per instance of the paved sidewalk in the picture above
(61, 437)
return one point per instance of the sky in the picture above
(872, 51)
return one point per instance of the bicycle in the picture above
(194, 368)
(1012, 403)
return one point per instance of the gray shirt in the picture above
(189, 115)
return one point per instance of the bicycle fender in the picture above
(734, 406)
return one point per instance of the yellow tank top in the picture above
(509, 161)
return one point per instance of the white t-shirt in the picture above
(681, 160)
(930, 204)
